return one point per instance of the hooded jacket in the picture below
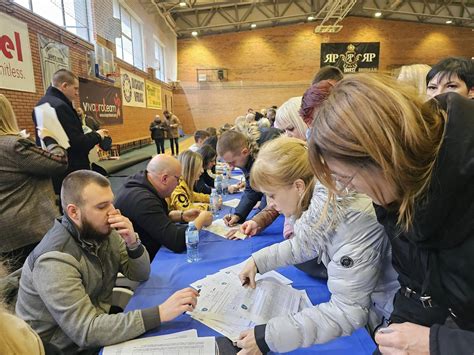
(141, 203)
(361, 279)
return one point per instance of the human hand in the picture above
(179, 302)
(190, 215)
(233, 189)
(103, 133)
(248, 343)
(404, 339)
(123, 226)
(45, 132)
(247, 274)
(250, 228)
(203, 220)
(231, 219)
(231, 234)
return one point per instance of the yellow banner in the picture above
(153, 95)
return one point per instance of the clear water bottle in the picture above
(192, 243)
(214, 201)
(218, 184)
(225, 183)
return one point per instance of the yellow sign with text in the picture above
(153, 95)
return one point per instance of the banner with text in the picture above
(103, 102)
(133, 89)
(54, 56)
(351, 57)
(16, 65)
(153, 95)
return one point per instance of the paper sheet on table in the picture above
(218, 227)
(182, 343)
(268, 275)
(46, 118)
(232, 203)
(222, 294)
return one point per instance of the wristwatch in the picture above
(137, 243)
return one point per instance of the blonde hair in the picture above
(288, 115)
(415, 75)
(280, 163)
(373, 122)
(8, 124)
(191, 164)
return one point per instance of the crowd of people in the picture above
(373, 174)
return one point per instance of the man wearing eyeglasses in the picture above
(142, 199)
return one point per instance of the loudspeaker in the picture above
(220, 74)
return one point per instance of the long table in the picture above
(171, 272)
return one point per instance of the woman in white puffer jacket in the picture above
(351, 244)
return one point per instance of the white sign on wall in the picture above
(133, 89)
(16, 66)
(54, 56)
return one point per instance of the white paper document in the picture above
(227, 307)
(46, 118)
(237, 268)
(232, 203)
(218, 227)
(182, 343)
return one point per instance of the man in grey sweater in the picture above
(67, 280)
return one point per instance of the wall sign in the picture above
(103, 102)
(153, 95)
(351, 57)
(133, 89)
(16, 66)
(54, 56)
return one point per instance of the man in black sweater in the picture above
(60, 95)
(142, 200)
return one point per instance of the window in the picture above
(159, 64)
(129, 44)
(71, 15)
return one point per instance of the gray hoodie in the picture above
(66, 288)
(354, 248)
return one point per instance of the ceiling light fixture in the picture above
(253, 25)
(310, 18)
(194, 33)
(448, 22)
(378, 14)
(182, 4)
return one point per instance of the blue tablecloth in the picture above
(170, 272)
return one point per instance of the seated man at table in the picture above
(240, 149)
(142, 199)
(67, 280)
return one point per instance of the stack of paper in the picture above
(228, 308)
(182, 343)
(219, 227)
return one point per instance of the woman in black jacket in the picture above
(206, 181)
(415, 161)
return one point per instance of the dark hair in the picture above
(208, 154)
(462, 67)
(200, 134)
(75, 183)
(313, 98)
(212, 141)
(212, 131)
(328, 73)
(63, 76)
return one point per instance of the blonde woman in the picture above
(415, 161)
(27, 199)
(183, 197)
(288, 119)
(352, 245)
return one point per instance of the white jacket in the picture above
(354, 248)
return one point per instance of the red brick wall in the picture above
(268, 66)
(136, 120)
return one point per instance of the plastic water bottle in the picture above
(225, 184)
(214, 199)
(218, 184)
(192, 243)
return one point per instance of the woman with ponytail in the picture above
(351, 244)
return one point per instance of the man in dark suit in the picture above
(65, 89)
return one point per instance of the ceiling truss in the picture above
(219, 16)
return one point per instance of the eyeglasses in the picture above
(342, 182)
